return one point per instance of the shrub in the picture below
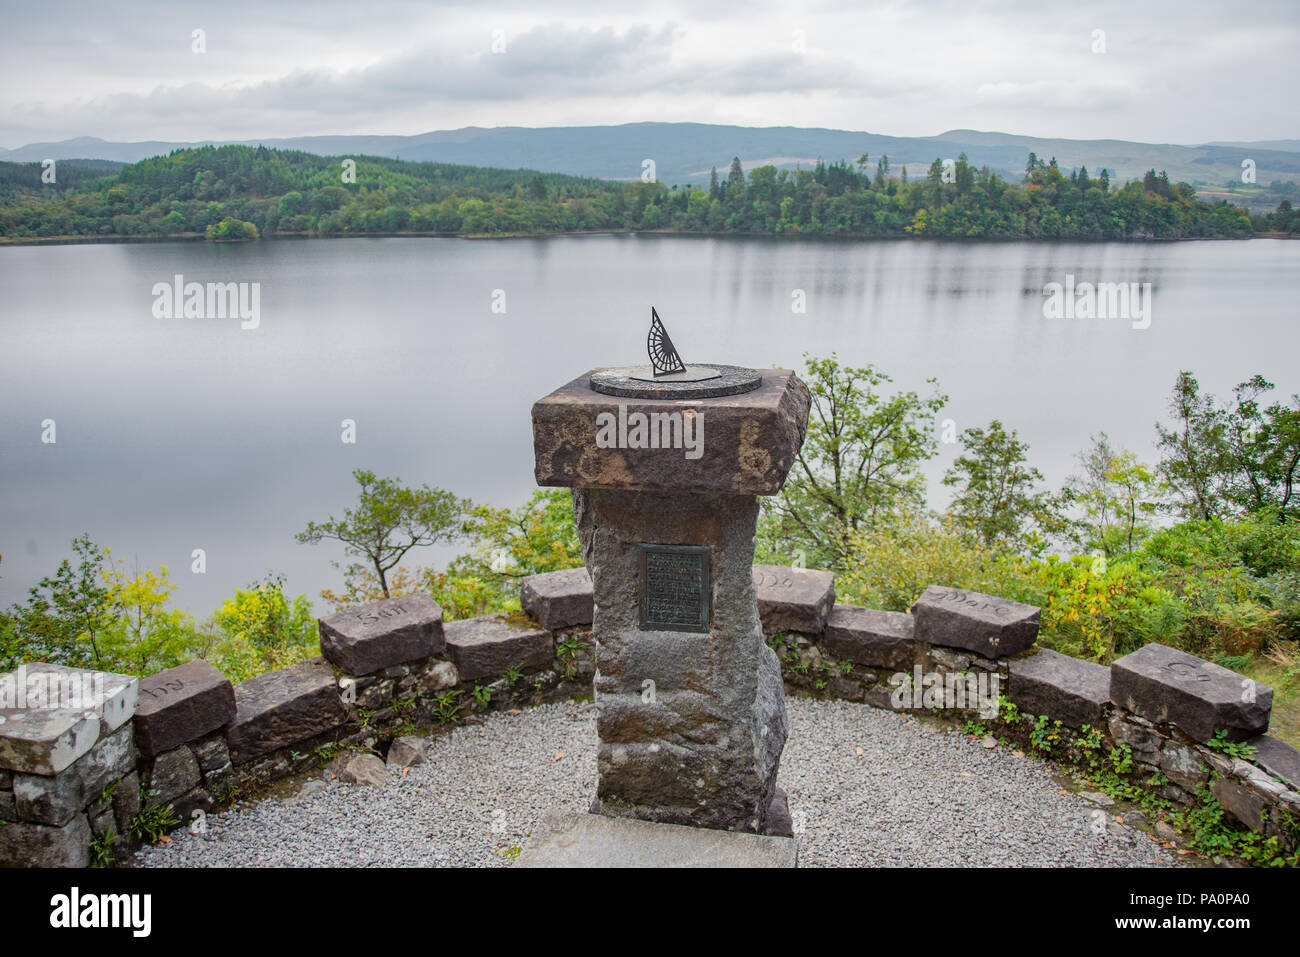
(888, 566)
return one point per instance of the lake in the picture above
(173, 434)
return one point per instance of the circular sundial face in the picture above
(696, 382)
(692, 374)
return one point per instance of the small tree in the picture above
(98, 616)
(66, 615)
(513, 543)
(388, 522)
(1264, 448)
(860, 461)
(1232, 458)
(1117, 495)
(261, 629)
(1194, 453)
(996, 500)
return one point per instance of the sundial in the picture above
(666, 484)
(668, 377)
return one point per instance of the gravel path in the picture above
(915, 796)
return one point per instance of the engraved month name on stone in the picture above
(1188, 672)
(164, 689)
(960, 597)
(676, 588)
(372, 615)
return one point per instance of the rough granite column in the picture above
(691, 704)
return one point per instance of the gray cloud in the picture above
(1177, 72)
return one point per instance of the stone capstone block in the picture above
(49, 687)
(181, 704)
(560, 599)
(382, 634)
(1166, 685)
(281, 708)
(865, 636)
(793, 599)
(989, 626)
(1277, 758)
(45, 742)
(749, 441)
(1070, 690)
(487, 647)
(174, 773)
(44, 845)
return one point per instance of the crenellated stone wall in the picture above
(77, 770)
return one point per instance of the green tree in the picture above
(1229, 458)
(388, 522)
(539, 536)
(262, 630)
(1194, 452)
(995, 496)
(66, 615)
(1117, 497)
(97, 616)
(145, 635)
(860, 460)
(509, 545)
(231, 229)
(1264, 447)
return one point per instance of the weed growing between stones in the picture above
(1233, 749)
(1212, 831)
(1046, 735)
(101, 848)
(152, 822)
(447, 707)
(106, 796)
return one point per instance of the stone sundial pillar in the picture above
(666, 476)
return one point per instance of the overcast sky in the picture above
(1175, 72)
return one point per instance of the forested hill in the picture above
(239, 191)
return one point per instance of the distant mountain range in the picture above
(684, 152)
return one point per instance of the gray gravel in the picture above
(916, 797)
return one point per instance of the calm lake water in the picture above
(176, 434)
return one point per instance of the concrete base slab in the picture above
(594, 840)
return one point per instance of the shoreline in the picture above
(790, 236)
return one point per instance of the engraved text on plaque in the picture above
(676, 587)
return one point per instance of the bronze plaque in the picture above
(676, 587)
